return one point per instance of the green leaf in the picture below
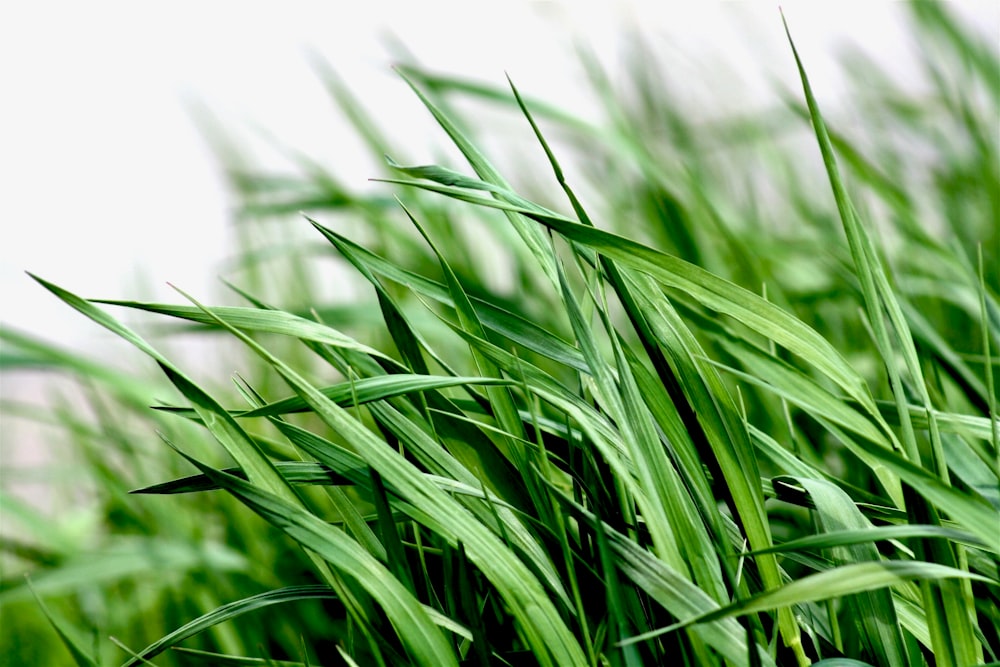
(359, 392)
(294, 472)
(72, 644)
(424, 642)
(540, 623)
(834, 583)
(257, 320)
(533, 237)
(230, 611)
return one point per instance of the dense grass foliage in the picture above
(724, 397)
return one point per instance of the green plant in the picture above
(686, 434)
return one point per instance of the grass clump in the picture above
(697, 427)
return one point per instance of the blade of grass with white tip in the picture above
(538, 620)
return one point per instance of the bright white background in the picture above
(104, 177)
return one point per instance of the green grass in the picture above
(721, 401)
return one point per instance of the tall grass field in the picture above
(661, 390)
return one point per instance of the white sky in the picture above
(102, 172)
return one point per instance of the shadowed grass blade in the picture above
(539, 622)
(424, 642)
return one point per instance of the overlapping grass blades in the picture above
(637, 455)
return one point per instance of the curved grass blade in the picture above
(872, 610)
(72, 643)
(223, 660)
(255, 319)
(538, 620)
(295, 472)
(359, 392)
(510, 325)
(24, 351)
(533, 237)
(838, 582)
(423, 640)
(674, 591)
(872, 534)
(948, 604)
(230, 611)
(245, 450)
(708, 289)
